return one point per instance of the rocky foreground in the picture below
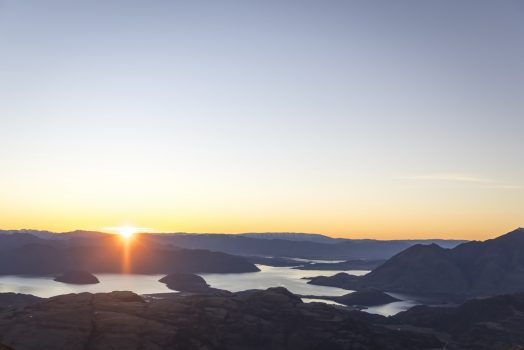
(270, 319)
(259, 319)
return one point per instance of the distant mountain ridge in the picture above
(276, 244)
(23, 253)
(320, 238)
(293, 236)
(295, 245)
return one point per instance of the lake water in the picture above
(45, 286)
(270, 276)
(147, 284)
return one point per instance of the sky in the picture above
(376, 119)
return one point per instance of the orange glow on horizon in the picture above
(126, 232)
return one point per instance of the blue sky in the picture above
(376, 118)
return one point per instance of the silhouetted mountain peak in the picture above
(472, 269)
(422, 250)
(515, 234)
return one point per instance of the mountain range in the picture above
(472, 269)
(295, 245)
(24, 253)
(273, 244)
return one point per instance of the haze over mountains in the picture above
(23, 253)
(291, 245)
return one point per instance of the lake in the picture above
(147, 284)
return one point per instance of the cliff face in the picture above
(269, 319)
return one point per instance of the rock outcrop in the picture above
(268, 319)
(77, 277)
(255, 319)
(495, 323)
(10, 300)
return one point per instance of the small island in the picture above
(185, 282)
(368, 297)
(77, 277)
(358, 299)
(340, 280)
(353, 264)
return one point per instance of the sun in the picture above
(126, 232)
